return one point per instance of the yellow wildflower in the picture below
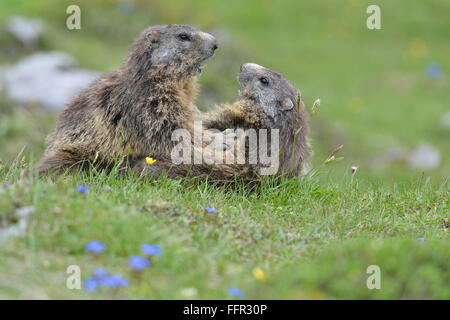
(150, 160)
(259, 274)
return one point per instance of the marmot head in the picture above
(278, 98)
(172, 49)
(272, 92)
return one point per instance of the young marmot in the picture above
(132, 112)
(267, 100)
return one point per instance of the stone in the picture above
(26, 30)
(424, 157)
(49, 79)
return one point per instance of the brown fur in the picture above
(252, 110)
(132, 112)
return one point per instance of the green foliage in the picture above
(313, 240)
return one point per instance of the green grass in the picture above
(311, 240)
(313, 237)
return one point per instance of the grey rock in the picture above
(16, 224)
(424, 157)
(47, 78)
(26, 30)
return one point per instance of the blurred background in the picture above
(384, 93)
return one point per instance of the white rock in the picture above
(424, 157)
(47, 78)
(18, 228)
(26, 30)
(24, 212)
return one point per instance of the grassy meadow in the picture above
(309, 238)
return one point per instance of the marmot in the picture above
(267, 100)
(132, 112)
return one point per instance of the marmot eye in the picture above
(184, 37)
(264, 80)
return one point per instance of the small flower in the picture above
(259, 274)
(421, 239)
(6, 184)
(150, 161)
(100, 273)
(151, 249)
(315, 106)
(95, 246)
(83, 189)
(114, 281)
(211, 210)
(236, 292)
(332, 157)
(138, 263)
(354, 170)
(91, 284)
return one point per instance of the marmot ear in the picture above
(152, 37)
(286, 105)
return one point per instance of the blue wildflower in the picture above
(151, 249)
(83, 189)
(6, 184)
(114, 281)
(91, 284)
(95, 246)
(434, 70)
(236, 292)
(421, 239)
(138, 263)
(211, 210)
(100, 273)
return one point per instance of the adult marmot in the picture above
(133, 111)
(267, 100)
